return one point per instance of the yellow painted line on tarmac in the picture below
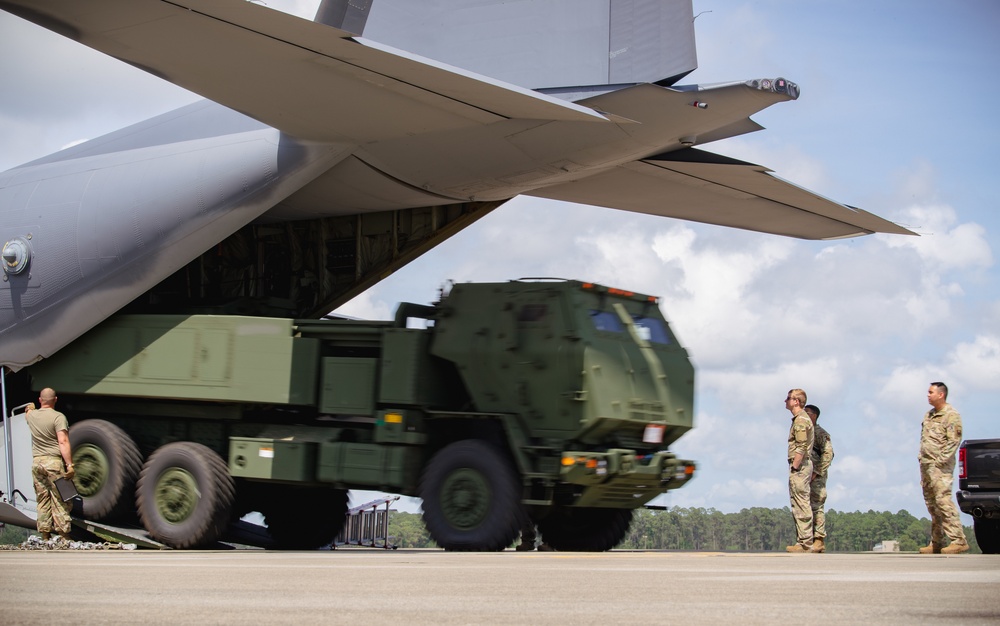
(606, 555)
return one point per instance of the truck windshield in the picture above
(650, 328)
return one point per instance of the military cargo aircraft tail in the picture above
(325, 160)
(538, 44)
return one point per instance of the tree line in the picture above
(755, 529)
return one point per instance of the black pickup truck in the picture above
(979, 489)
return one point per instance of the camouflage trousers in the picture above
(798, 494)
(817, 500)
(937, 482)
(53, 513)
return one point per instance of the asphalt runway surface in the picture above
(367, 586)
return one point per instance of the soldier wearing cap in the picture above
(822, 456)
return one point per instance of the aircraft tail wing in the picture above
(536, 43)
(345, 89)
(13, 516)
(704, 187)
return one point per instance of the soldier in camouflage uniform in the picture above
(800, 443)
(940, 435)
(822, 456)
(50, 452)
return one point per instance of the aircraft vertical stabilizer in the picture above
(349, 15)
(544, 43)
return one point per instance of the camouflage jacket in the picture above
(800, 436)
(940, 435)
(822, 451)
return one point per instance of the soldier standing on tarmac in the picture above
(50, 451)
(800, 443)
(822, 456)
(940, 435)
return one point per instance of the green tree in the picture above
(916, 535)
(756, 529)
(407, 530)
(13, 534)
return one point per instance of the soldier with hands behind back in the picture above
(822, 456)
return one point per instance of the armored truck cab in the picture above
(534, 401)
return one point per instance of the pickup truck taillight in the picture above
(961, 463)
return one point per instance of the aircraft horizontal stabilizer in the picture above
(705, 187)
(345, 89)
(14, 517)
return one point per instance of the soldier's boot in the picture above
(525, 546)
(46, 536)
(956, 547)
(818, 546)
(797, 548)
(931, 548)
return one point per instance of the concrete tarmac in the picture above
(434, 587)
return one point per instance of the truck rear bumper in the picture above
(979, 504)
(620, 478)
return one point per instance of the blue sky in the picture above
(896, 116)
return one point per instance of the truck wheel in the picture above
(306, 518)
(107, 464)
(185, 495)
(585, 529)
(471, 498)
(987, 534)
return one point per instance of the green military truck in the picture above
(544, 400)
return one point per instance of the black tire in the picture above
(471, 498)
(107, 464)
(306, 518)
(585, 529)
(185, 495)
(987, 534)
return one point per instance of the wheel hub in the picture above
(177, 495)
(465, 498)
(92, 469)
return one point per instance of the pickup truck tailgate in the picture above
(982, 465)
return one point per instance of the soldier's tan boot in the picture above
(818, 546)
(931, 548)
(956, 547)
(797, 548)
